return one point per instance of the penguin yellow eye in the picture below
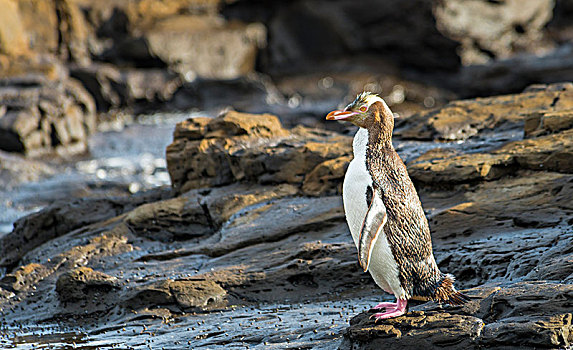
(363, 109)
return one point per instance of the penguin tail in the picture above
(447, 293)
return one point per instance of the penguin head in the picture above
(366, 111)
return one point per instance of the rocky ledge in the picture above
(254, 218)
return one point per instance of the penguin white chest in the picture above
(383, 266)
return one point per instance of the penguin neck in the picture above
(379, 138)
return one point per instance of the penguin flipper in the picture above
(371, 228)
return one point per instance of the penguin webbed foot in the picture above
(385, 306)
(392, 310)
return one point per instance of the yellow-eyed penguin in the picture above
(385, 215)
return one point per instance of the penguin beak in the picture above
(340, 115)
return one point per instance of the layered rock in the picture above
(39, 115)
(253, 148)
(505, 316)
(460, 120)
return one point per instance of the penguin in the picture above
(385, 216)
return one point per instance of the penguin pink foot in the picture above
(390, 313)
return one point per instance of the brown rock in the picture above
(45, 117)
(545, 123)
(550, 153)
(247, 148)
(185, 295)
(40, 21)
(197, 293)
(326, 178)
(546, 153)
(462, 169)
(82, 283)
(13, 37)
(25, 277)
(460, 120)
(72, 32)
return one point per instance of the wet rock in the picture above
(538, 124)
(460, 120)
(82, 283)
(257, 226)
(545, 153)
(502, 230)
(262, 226)
(326, 178)
(59, 219)
(186, 295)
(25, 277)
(15, 170)
(248, 148)
(196, 294)
(520, 315)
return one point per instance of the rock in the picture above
(256, 221)
(59, 219)
(302, 34)
(255, 226)
(512, 27)
(460, 120)
(326, 178)
(41, 23)
(201, 47)
(503, 230)
(196, 293)
(15, 170)
(273, 154)
(25, 277)
(542, 123)
(82, 283)
(73, 33)
(45, 116)
(462, 169)
(13, 37)
(187, 295)
(116, 88)
(545, 153)
(514, 74)
(519, 315)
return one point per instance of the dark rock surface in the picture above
(252, 231)
(522, 315)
